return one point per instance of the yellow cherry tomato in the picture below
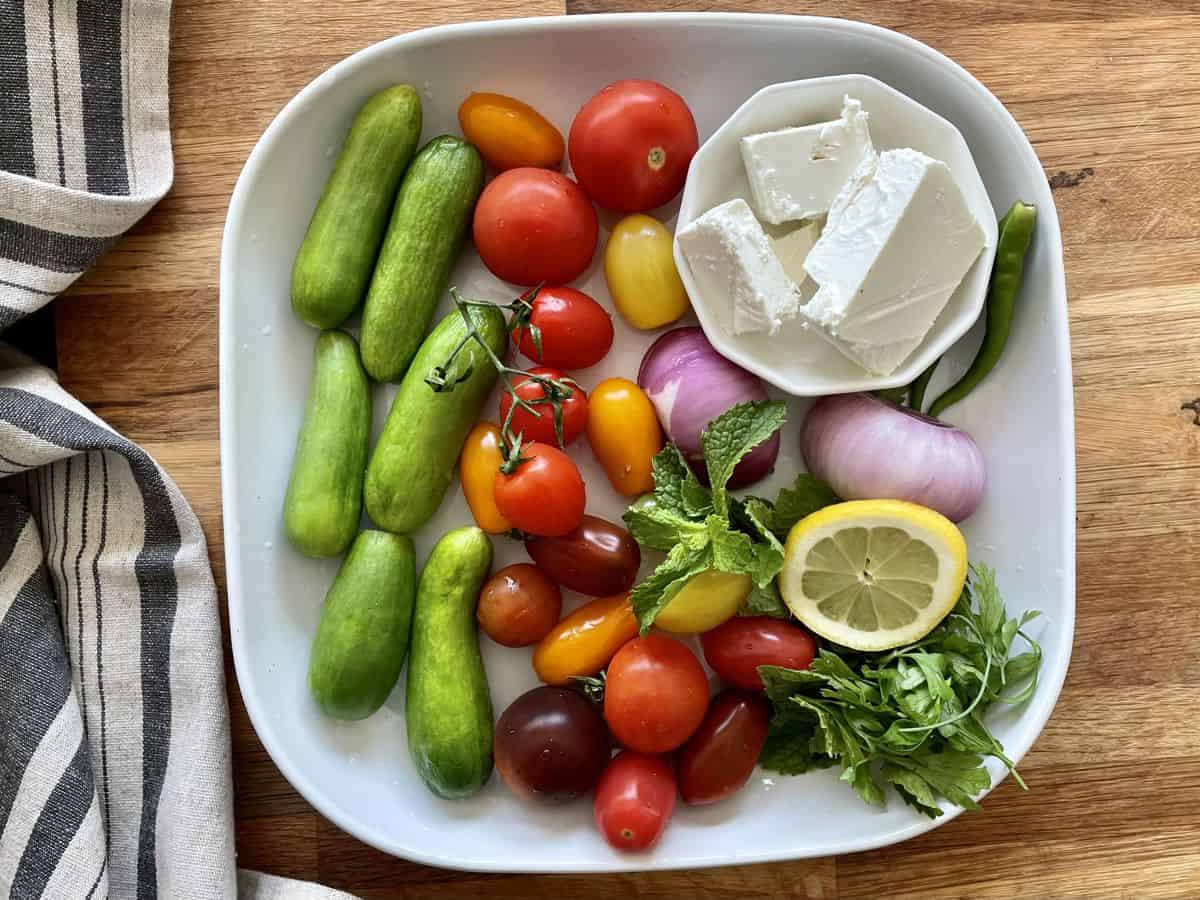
(624, 433)
(706, 601)
(509, 133)
(584, 641)
(477, 468)
(641, 273)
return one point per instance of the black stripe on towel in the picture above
(155, 570)
(56, 825)
(37, 677)
(102, 792)
(16, 116)
(103, 107)
(51, 250)
(62, 169)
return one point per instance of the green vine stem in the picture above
(554, 390)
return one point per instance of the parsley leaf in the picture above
(654, 593)
(788, 748)
(923, 776)
(732, 435)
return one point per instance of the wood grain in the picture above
(1109, 93)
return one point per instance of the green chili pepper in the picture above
(1016, 231)
(916, 396)
(894, 395)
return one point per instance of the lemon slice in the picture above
(873, 574)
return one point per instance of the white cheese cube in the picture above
(898, 241)
(730, 255)
(795, 173)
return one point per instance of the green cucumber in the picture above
(448, 707)
(413, 461)
(433, 211)
(324, 493)
(363, 636)
(334, 265)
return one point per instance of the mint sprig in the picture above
(703, 528)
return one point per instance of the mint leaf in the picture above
(671, 472)
(652, 596)
(764, 601)
(732, 550)
(660, 528)
(756, 515)
(732, 435)
(736, 553)
(806, 495)
(697, 501)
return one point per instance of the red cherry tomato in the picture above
(544, 495)
(540, 427)
(736, 648)
(655, 694)
(631, 144)
(518, 605)
(575, 330)
(634, 800)
(534, 226)
(720, 756)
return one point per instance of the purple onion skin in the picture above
(690, 384)
(868, 449)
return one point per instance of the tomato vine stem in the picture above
(555, 391)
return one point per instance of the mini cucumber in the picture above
(448, 707)
(423, 239)
(413, 461)
(334, 265)
(363, 636)
(324, 493)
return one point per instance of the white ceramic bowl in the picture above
(797, 359)
(358, 774)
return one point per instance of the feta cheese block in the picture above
(730, 255)
(898, 240)
(795, 173)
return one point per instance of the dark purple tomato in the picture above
(551, 745)
(598, 558)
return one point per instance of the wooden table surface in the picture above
(1109, 93)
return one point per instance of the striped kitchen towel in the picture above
(114, 729)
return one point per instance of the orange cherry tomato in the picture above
(509, 133)
(477, 469)
(624, 433)
(584, 641)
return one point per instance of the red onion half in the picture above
(690, 384)
(868, 449)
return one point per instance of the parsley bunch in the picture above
(703, 528)
(911, 717)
